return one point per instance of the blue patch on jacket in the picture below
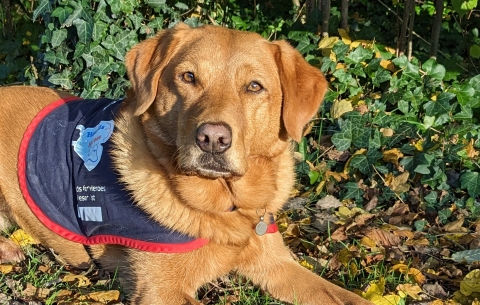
(67, 178)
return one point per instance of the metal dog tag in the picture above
(261, 227)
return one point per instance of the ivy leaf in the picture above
(361, 163)
(361, 137)
(99, 28)
(118, 46)
(471, 182)
(380, 76)
(58, 37)
(464, 94)
(352, 191)
(411, 71)
(433, 69)
(440, 106)
(62, 13)
(77, 13)
(469, 256)
(62, 79)
(340, 49)
(84, 30)
(465, 113)
(343, 139)
(358, 55)
(44, 7)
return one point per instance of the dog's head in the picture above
(214, 96)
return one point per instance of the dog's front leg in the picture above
(269, 264)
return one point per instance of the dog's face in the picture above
(214, 97)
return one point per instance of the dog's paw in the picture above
(9, 251)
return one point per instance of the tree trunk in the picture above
(406, 27)
(410, 30)
(344, 13)
(437, 24)
(325, 17)
(8, 25)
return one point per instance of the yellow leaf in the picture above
(345, 37)
(367, 44)
(368, 242)
(471, 152)
(376, 288)
(387, 132)
(419, 145)
(81, 280)
(101, 296)
(413, 272)
(4, 269)
(22, 239)
(306, 264)
(410, 290)
(328, 42)
(390, 299)
(399, 183)
(471, 283)
(375, 95)
(387, 65)
(392, 155)
(340, 107)
(344, 256)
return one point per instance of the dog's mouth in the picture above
(211, 166)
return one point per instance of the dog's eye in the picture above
(188, 77)
(254, 87)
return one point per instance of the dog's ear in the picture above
(303, 88)
(146, 61)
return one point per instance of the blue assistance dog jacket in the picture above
(67, 179)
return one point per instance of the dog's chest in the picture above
(67, 178)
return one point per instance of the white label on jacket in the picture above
(89, 144)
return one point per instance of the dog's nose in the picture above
(214, 137)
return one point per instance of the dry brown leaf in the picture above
(387, 132)
(413, 291)
(81, 280)
(384, 238)
(339, 234)
(102, 296)
(392, 155)
(456, 226)
(328, 202)
(397, 184)
(417, 242)
(404, 233)
(471, 152)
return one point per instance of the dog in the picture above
(201, 150)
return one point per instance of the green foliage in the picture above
(399, 117)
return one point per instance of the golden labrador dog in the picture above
(201, 149)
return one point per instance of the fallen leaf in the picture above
(392, 155)
(328, 202)
(387, 132)
(469, 256)
(471, 152)
(455, 226)
(340, 107)
(22, 238)
(399, 183)
(81, 280)
(471, 283)
(384, 238)
(4, 269)
(102, 296)
(411, 290)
